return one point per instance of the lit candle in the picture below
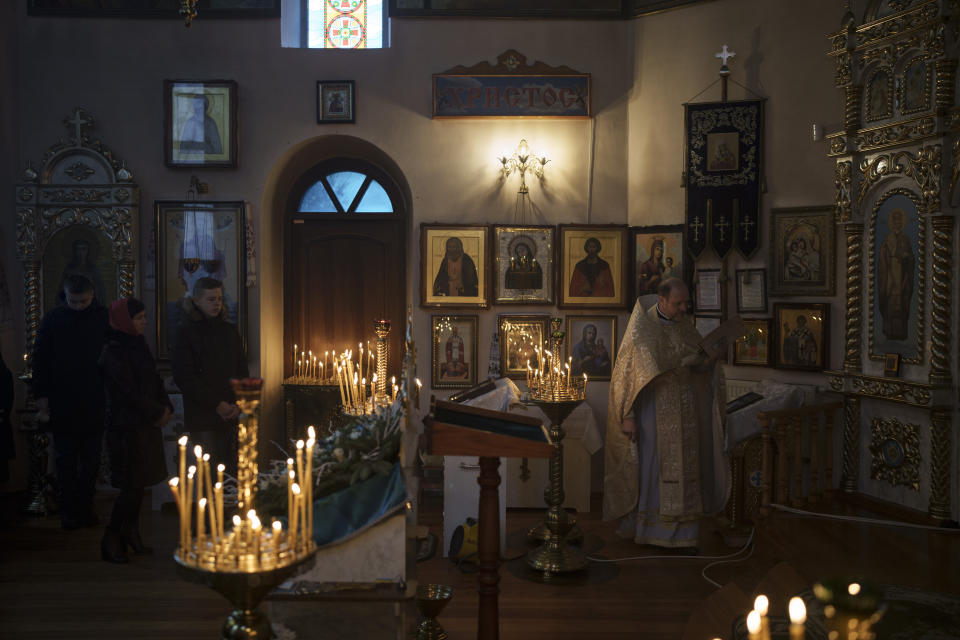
(191, 471)
(761, 605)
(218, 499)
(360, 361)
(363, 395)
(201, 506)
(208, 482)
(309, 359)
(394, 397)
(753, 625)
(300, 461)
(277, 538)
(255, 528)
(325, 354)
(311, 441)
(798, 615)
(182, 443)
(174, 483)
(293, 516)
(294, 360)
(567, 365)
(419, 386)
(343, 400)
(198, 451)
(321, 373)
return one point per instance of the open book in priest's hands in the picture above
(715, 343)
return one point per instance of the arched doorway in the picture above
(344, 259)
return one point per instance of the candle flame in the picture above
(289, 462)
(277, 527)
(221, 468)
(198, 451)
(296, 489)
(192, 469)
(292, 474)
(174, 482)
(761, 604)
(312, 432)
(853, 589)
(202, 503)
(182, 441)
(206, 457)
(299, 444)
(236, 520)
(798, 611)
(218, 485)
(419, 384)
(753, 622)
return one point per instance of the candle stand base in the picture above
(558, 529)
(244, 590)
(556, 558)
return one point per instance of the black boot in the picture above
(112, 547)
(131, 536)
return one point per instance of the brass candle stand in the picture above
(245, 562)
(557, 394)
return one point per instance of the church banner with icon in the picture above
(722, 174)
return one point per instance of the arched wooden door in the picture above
(345, 261)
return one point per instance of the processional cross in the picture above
(747, 224)
(724, 55)
(722, 226)
(696, 225)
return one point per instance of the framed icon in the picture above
(593, 266)
(591, 345)
(521, 338)
(200, 123)
(523, 264)
(336, 102)
(453, 266)
(802, 333)
(453, 361)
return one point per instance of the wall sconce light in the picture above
(523, 160)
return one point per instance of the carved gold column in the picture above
(940, 338)
(843, 174)
(31, 298)
(946, 91)
(940, 452)
(852, 359)
(851, 444)
(854, 99)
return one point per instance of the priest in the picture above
(665, 468)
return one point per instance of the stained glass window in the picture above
(345, 24)
(338, 192)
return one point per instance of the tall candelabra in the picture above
(382, 329)
(557, 393)
(245, 562)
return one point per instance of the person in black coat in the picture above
(137, 409)
(69, 389)
(6, 420)
(207, 353)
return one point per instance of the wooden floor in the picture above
(54, 585)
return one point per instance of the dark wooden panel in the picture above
(341, 275)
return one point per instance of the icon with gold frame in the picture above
(520, 337)
(593, 266)
(453, 266)
(753, 349)
(523, 264)
(453, 361)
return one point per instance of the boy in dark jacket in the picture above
(207, 353)
(70, 398)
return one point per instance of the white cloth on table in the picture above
(743, 424)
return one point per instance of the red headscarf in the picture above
(120, 317)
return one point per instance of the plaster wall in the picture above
(623, 166)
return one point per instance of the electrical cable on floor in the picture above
(731, 555)
(882, 523)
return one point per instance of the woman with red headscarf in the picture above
(137, 409)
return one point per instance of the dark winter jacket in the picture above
(6, 420)
(65, 367)
(135, 402)
(207, 353)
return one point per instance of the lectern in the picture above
(457, 430)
